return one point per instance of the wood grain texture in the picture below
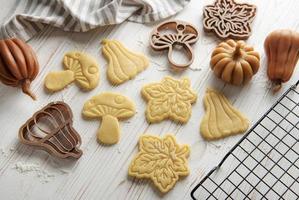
(101, 173)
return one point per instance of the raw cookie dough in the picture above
(221, 118)
(79, 67)
(111, 107)
(170, 99)
(160, 159)
(123, 64)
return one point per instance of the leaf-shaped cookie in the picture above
(160, 159)
(221, 118)
(170, 99)
(123, 64)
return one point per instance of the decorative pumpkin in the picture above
(18, 64)
(282, 50)
(235, 62)
(123, 63)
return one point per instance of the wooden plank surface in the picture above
(101, 173)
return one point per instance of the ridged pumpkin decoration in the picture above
(18, 64)
(282, 50)
(123, 64)
(235, 62)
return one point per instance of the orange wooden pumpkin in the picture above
(235, 62)
(282, 50)
(18, 64)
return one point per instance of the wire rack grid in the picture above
(264, 164)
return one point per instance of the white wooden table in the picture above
(101, 173)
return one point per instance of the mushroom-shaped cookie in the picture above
(79, 67)
(111, 107)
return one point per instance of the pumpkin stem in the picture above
(277, 86)
(237, 52)
(26, 88)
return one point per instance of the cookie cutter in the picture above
(185, 35)
(50, 129)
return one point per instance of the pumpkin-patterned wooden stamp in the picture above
(170, 99)
(160, 159)
(184, 35)
(235, 62)
(123, 63)
(228, 19)
(79, 67)
(51, 129)
(110, 107)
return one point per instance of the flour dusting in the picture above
(3, 152)
(35, 168)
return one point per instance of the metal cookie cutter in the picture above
(185, 35)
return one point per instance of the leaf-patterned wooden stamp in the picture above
(170, 99)
(184, 35)
(228, 19)
(160, 159)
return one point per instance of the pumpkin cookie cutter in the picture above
(50, 129)
(185, 35)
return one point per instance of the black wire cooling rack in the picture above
(264, 164)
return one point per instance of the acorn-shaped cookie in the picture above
(235, 62)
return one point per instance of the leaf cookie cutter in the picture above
(185, 35)
(50, 129)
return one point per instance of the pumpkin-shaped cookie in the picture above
(235, 62)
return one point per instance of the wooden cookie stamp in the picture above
(185, 35)
(228, 19)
